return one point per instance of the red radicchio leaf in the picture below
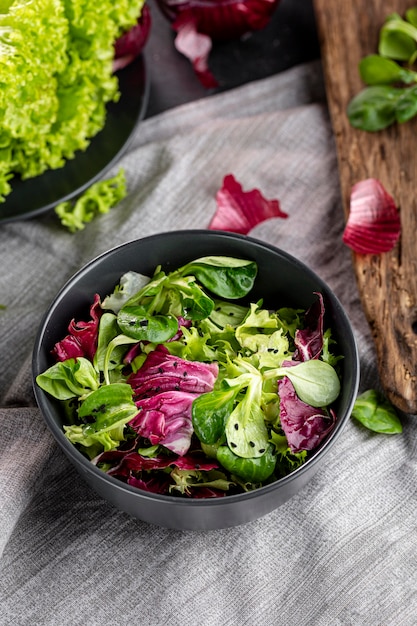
(130, 461)
(154, 484)
(162, 371)
(165, 419)
(309, 340)
(304, 426)
(373, 225)
(239, 211)
(82, 338)
(129, 45)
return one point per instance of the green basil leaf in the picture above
(377, 70)
(397, 39)
(376, 413)
(411, 16)
(226, 277)
(374, 108)
(407, 105)
(135, 322)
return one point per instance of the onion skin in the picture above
(374, 224)
(129, 46)
(220, 19)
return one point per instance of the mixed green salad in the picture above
(179, 384)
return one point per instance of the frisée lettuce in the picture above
(56, 72)
(179, 384)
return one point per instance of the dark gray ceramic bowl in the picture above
(282, 281)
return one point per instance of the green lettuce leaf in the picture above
(98, 199)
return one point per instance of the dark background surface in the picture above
(289, 39)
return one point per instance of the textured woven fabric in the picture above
(341, 552)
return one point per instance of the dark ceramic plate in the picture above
(37, 195)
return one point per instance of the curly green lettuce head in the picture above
(56, 61)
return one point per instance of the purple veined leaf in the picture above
(239, 211)
(129, 45)
(127, 461)
(309, 340)
(157, 483)
(304, 426)
(162, 371)
(82, 337)
(373, 224)
(165, 418)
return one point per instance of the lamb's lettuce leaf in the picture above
(69, 379)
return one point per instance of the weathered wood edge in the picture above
(387, 283)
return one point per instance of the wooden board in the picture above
(348, 30)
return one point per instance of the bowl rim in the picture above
(73, 453)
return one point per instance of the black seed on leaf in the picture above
(233, 445)
(143, 322)
(252, 445)
(262, 450)
(236, 426)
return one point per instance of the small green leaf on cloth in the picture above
(376, 413)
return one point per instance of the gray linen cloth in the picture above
(342, 551)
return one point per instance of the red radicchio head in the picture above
(198, 22)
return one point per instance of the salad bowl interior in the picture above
(281, 281)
